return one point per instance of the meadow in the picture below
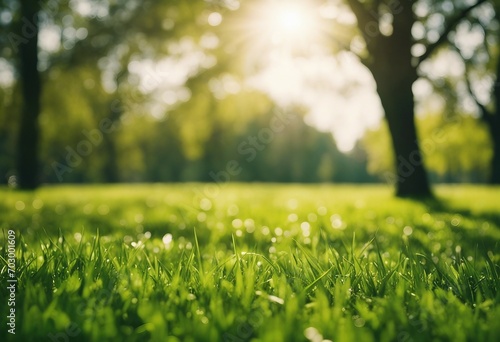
(251, 262)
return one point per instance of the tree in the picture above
(100, 32)
(492, 119)
(489, 113)
(386, 27)
(28, 136)
(456, 148)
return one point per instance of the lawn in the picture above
(251, 262)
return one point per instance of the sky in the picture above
(337, 90)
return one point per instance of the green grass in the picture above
(252, 262)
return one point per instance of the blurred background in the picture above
(227, 90)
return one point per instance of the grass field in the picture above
(251, 262)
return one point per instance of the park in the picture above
(250, 170)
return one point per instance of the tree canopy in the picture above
(176, 90)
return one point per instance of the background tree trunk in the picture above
(491, 117)
(28, 137)
(495, 161)
(111, 170)
(494, 122)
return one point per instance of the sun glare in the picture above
(284, 24)
(290, 21)
(287, 46)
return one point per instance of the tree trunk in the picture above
(494, 123)
(390, 62)
(394, 75)
(28, 138)
(111, 169)
(410, 178)
(494, 129)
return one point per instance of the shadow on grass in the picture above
(474, 231)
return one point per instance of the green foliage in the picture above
(87, 72)
(455, 149)
(201, 262)
(88, 77)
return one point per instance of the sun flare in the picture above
(290, 21)
(286, 24)
(288, 55)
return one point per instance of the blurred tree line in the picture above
(142, 91)
(181, 132)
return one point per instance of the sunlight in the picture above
(338, 93)
(283, 23)
(287, 41)
(291, 21)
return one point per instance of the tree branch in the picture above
(453, 22)
(348, 47)
(364, 18)
(486, 115)
(375, 6)
(484, 112)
